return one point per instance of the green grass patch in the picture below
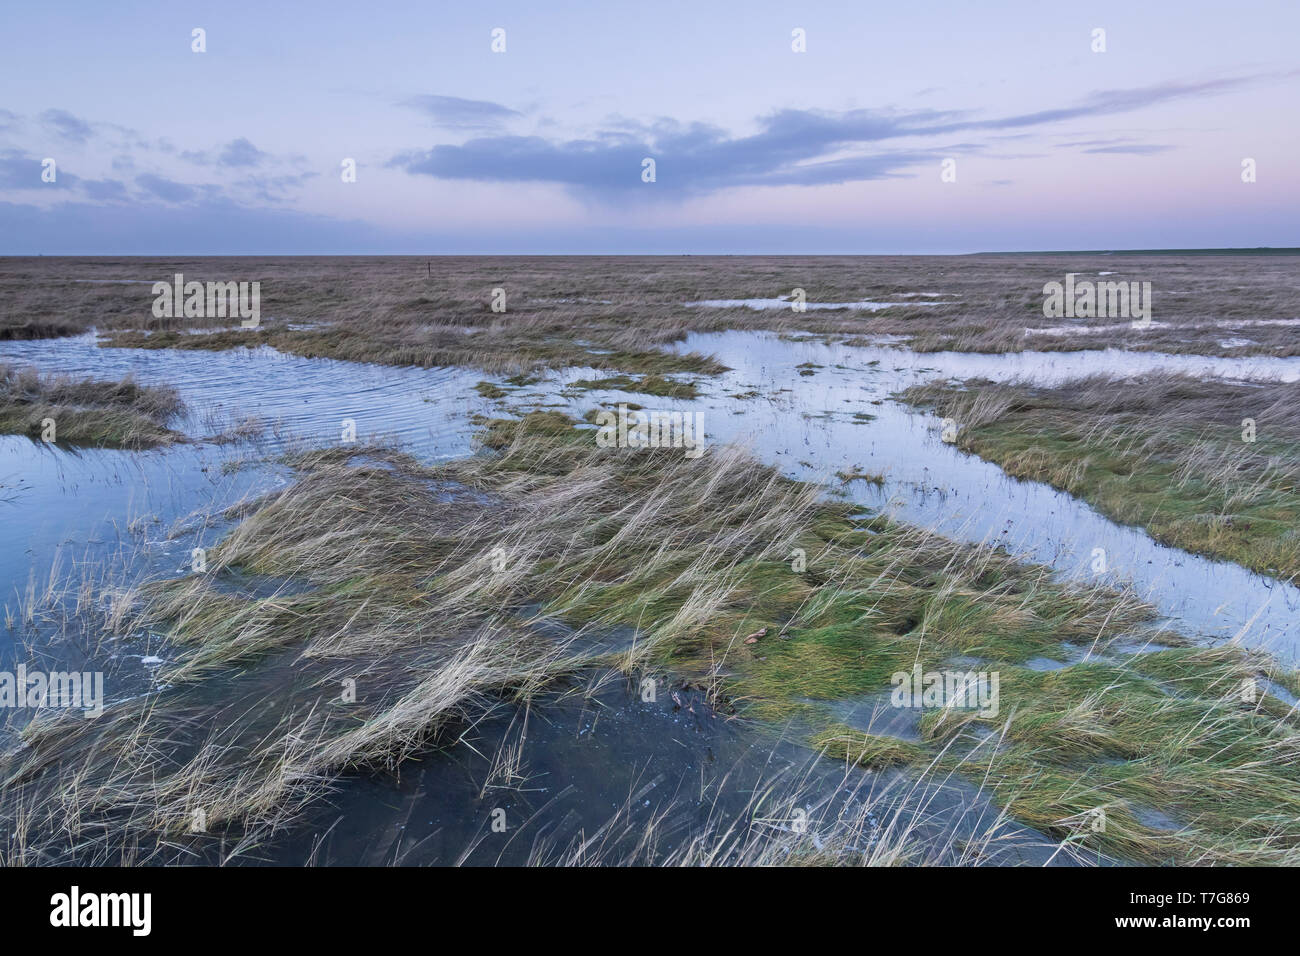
(1167, 455)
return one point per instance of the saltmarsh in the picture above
(416, 604)
(1209, 466)
(616, 312)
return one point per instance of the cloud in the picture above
(1117, 145)
(274, 188)
(105, 190)
(792, 146)
(151, 228)
(240, 152)
(456, 113)
(236, 154)
(1108, 103)
(20, 171)
(1135, 149)
(1092, 142)
(166, 189)
(67, 126)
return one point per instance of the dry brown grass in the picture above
(119, 414)
(614, 312)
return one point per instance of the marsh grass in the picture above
(616, 313)
(656, 385)
(414, 583)
(115, 414)
(865, 749)
(1165, 452)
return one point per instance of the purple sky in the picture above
(540, 148)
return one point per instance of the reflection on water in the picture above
(293, 397)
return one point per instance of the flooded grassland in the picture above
(388, 583)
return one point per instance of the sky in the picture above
(912, 127)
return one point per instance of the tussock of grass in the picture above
(119, 414)
(1165, 453)
(857, 474)
(647, 385)
(503, 348)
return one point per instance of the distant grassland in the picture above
(615, 313)
(1165, 452)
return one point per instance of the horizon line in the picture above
(1192, 250)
